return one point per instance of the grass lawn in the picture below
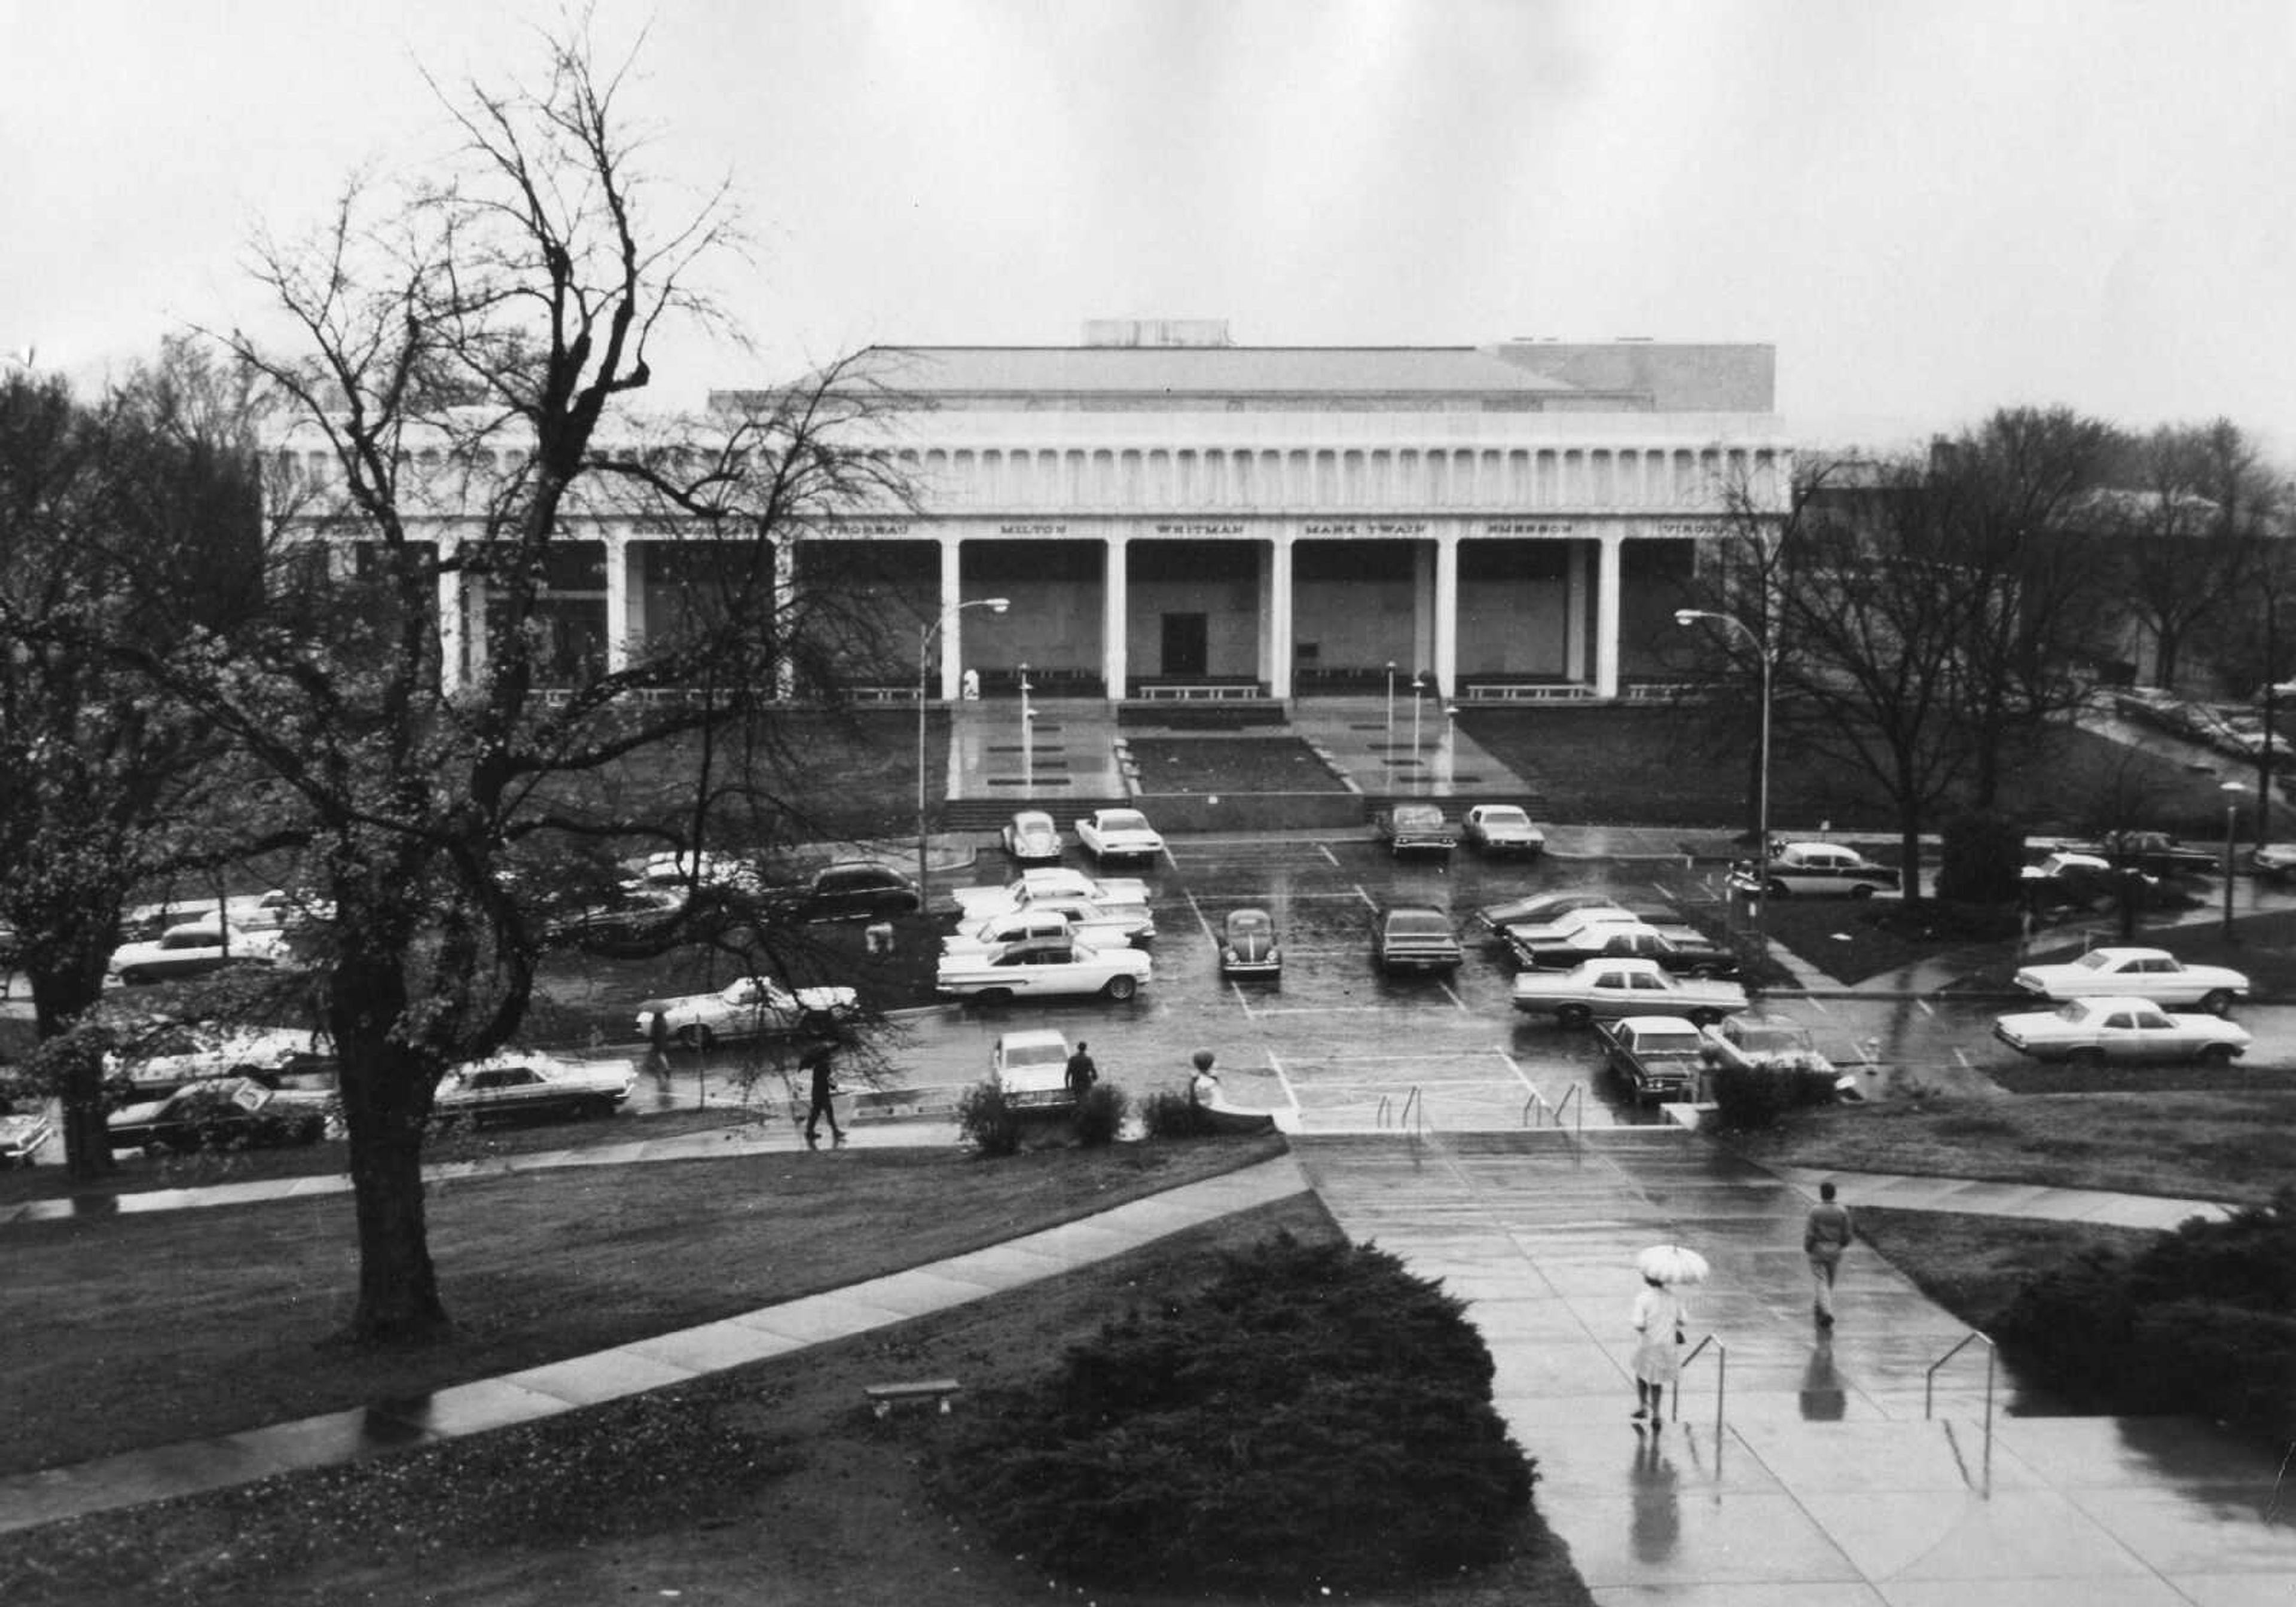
(1231, 764)
(771, 1482)
(2202, 1136)
(1974, 1266)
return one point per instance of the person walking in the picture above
(1827, 1233)
(657, 1060)
(1662, 1320)
(816, 1061)
(1204, 1087)
(1082, 1073)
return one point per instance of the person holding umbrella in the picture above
(1661, 1317)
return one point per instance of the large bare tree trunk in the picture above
(59, 998)
(386, 1092)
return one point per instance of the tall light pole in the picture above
(1417, 680)
(925, 637)
(1386, 754)
(2231, 789)
(1761, 645)
(1027, 740)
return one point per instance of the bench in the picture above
(881, 1396)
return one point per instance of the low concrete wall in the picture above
(1252, 811)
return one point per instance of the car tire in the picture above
(2217, 1001)
(1863, 890)
(1121, 988)
(1702, 973)
(696, 1037)
(2218, 1055)
(1574, 1015)
(1706, 1016)
(1779, 889)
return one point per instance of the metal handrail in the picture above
(1721, 1379)
(1576, 1090)
(1537, 1102)
(1412, 1102)
(1379, 1116)
(1929, 1385)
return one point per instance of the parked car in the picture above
(1049, 882)
(636, 921)
(1031, 838)
(525, 1086)
(196, 948)
(2139, 974)
(2097, 1029)
(228, 1113)
(1810, 869)
(21, 1136)
(2275, 861)
(1611, 989)
(728, 873)
(850, 890)
(1657, 1057)
(1415, 828)
(1752, 1039)
(1415, 938)
(1677, 948)
(1490, 922)
(1103, 925)
(1044, 968)
(1504, 829)
(747, 1007)
(1119, 834)
(157, 1061)
(1248, 946)
(1032, 1069)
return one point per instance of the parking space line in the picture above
(1324, 1010)
(1820, 1006)
(1512, 1065)
(1290, 1096)
(1370, 903)
(1325, 849)
(1236, 987)
(1456, 1002)
(1925, 1008)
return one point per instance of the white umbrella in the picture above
(1672, 1263)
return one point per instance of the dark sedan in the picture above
(1248, 946)
(228, 1113)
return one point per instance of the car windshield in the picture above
(1248, 921)
(2075, 1011)
(1411, 923)
(2096, 959)
(1772, 1037)
(1418, 815)
(1505, 818)
(1123, 820)
(1035, 1054)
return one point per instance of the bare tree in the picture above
(2189, 507)
(469, 350)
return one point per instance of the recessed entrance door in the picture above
(1185, 644)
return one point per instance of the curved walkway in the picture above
(1802, 1467)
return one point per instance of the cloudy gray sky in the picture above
(1931, 208)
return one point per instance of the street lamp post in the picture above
(925, 635)
(1417, 680)
(2232, 790)
(1027, 740)
(1761, 645)
(1386, 754)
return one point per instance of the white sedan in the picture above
(746, 1007)
(977, 904)
(1611, 989)
(1044, 968)
(1102, 925)
(518, 1086)
(2090, 1030)
(197, 948)
(1119, 834)
(2137, 974)
(1503, 829)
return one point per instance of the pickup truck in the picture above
(1600, 935)
(1416, 828)
(1656, 1056)
(1612, 989)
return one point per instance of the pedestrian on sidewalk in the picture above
(1082, 1073)
(1662, 1320)
(816, 1061)
(1827, 1233)
(657, 1060)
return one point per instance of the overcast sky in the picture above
(1931, 208)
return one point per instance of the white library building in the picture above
(1169, 514)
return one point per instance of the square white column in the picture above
(1447, 612)
(1115, 602)
(1606, 618)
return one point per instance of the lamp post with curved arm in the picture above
(1761, 646)
(925, 637)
